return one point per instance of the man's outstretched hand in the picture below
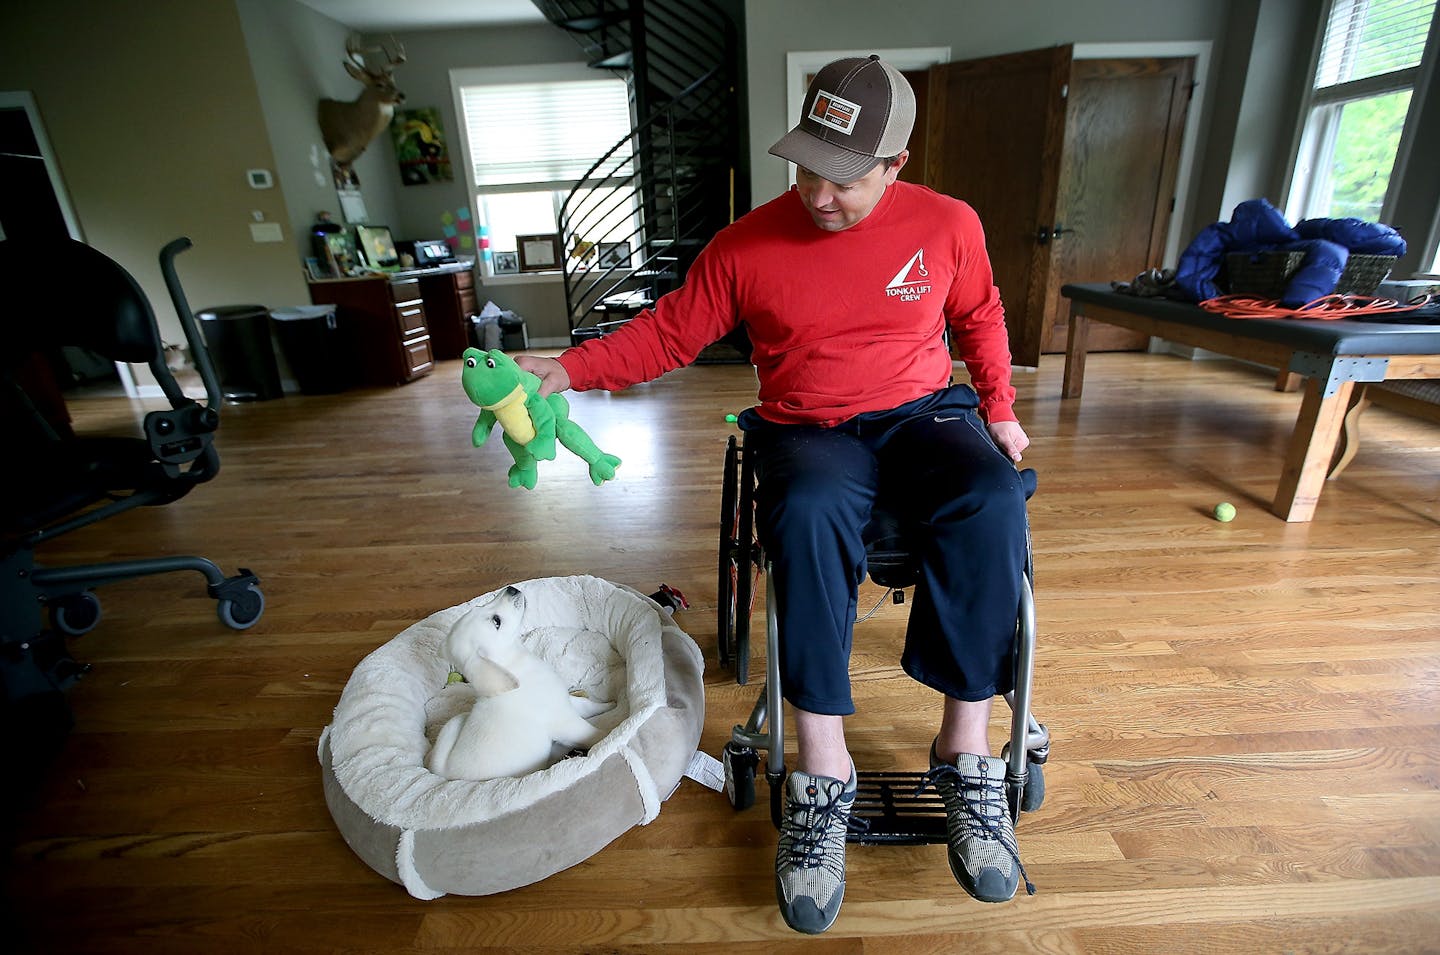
(553, 376)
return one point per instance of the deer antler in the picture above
(356, 53)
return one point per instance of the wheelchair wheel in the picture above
(1033, 795)
(747, 564)
(740, 763)
(729, 551)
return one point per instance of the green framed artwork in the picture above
(420, 146)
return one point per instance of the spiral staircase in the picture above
(632, 227)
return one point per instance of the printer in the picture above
(429, 253)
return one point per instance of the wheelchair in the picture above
(891, 808)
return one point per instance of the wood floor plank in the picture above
(1245, 717)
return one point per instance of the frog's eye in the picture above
(469, 363)
(489, 363)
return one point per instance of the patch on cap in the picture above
(836, 112)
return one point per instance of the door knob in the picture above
(1045, 234)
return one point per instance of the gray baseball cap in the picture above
(857, 111)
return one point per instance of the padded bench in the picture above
(1335, 358)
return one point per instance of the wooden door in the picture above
(1124, 123)
(1071, 165)
(995, 135)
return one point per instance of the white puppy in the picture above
(521, 707)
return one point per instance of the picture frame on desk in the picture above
(614, 255)
(315, 270)
(538, 253)
(505, 263)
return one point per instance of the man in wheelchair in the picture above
(847, 285)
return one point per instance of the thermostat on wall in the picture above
(259, 178)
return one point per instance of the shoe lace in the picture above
(809, 825)
(983, 807)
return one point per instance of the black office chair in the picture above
(890, 807)
(60, 483)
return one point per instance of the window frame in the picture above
(499, 76)
(1308, 138)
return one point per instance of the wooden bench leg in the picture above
(1312, 447)
(1287, 380)
(1076, 345)
(1349, 441)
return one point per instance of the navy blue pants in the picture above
(933, 463)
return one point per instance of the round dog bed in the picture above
(436, 835)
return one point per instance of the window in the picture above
(1367, 68)
(531, 133)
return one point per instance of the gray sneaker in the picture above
(983, 852)
(810, 862)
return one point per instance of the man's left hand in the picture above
(1009, 437)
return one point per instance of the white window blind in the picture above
(1366, 38)
(543, 131)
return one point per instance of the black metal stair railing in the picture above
(653, 202)
(633, 225)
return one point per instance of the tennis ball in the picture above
(731, 418)
(454, 678)
(1224, 512)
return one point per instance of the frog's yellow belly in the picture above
(510, 412)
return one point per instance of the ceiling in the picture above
(375, 15)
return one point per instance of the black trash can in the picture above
(513, 336)
(238, 337)
(311, 342)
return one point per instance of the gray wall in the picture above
(975, 29)
(156, 110)
(154, 117)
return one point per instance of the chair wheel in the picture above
(740, 763)
(241, 613)
(75, 614)
(725, 584)
(1033, 796)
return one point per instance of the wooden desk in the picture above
(1337, 359)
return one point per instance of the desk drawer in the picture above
(418, 357)
(411, 319)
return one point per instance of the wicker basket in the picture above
(1260, 273)
(1364, 273)
(1267, 273)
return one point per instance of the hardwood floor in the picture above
(1246, 716)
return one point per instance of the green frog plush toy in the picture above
(529, 424)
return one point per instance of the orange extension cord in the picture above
(1327, 307)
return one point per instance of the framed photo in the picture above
(315, 270)
(505, 263)
(538, 253)
(614, 255)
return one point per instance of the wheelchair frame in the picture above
(890, 807)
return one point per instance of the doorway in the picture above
(35, 208)
(1075, 167)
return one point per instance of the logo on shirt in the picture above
(912, 281)
(835, 112)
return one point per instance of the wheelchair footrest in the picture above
(888, 811)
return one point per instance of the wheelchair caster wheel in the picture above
(740, 763)
(1033, 797)
(76, 614)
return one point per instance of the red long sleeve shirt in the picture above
(841, 322)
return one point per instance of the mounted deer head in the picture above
(348, 128)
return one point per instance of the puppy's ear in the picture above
(489, 678)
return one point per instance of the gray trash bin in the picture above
(238, 337)
(310, 340)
